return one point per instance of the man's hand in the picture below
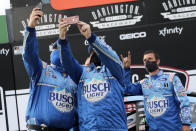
(127, 60)
(35, 16)
(85, 29)
(63, 26)
(87, 62)
(186, 128)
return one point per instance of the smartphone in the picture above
(39, 5)
(71, 20)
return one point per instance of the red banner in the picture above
(64, 4)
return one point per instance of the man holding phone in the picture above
(51, 103)
(100, 99)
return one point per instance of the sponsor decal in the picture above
(183, 93)
(158, 85)
(18, 50)
(178, 9)
(62, 4)
(157, 104)
(162, 79)
(117, 15)
(61, 99)
(145, 85)
(178, 83)
(47, 26)
(135, 35)
(168, 31)
(130, 108)
(142, 127)
(186, 113)
(53, 76)
(131, 120)
(150, 84)
(181, 90)
(166, 84)
(47, 73)
(4, 51)
(95, 89)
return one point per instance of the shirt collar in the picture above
(157, 75)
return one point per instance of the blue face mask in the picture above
(55, 60)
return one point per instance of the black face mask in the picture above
(95, 60)
(151, 66)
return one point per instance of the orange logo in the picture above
(65, 4)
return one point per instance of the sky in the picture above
(4, 4)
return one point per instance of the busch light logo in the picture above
(95, 89)
(156, 105)
(61, 99)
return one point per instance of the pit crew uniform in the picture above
(164, 99)
(100, 89)
(51, 101)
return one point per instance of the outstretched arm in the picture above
(131, 88)
(32, 62)
(105, 53)
(71, 66)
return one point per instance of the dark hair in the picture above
(157, 57)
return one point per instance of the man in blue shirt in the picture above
(165, 97)
(51, 100)
(100, 85)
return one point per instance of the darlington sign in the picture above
(64, 4)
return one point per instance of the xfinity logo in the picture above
(4, 51)
(135, 35)
(167, 31)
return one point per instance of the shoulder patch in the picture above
(171, 76)
(44, 64)
(141, 81)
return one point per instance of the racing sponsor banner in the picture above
(160, 11)
(101, 17)
(6, 67)
(169, 40)
(131, 115)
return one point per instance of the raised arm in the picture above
(131, 88)
(71, 66)
(31, 60)
(105, 53)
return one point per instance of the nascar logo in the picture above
(157, 104)
(95, 89)
(61, 99)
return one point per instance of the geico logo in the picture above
(133, 35)
(61, 98)
(90, 88)
(157, 104)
